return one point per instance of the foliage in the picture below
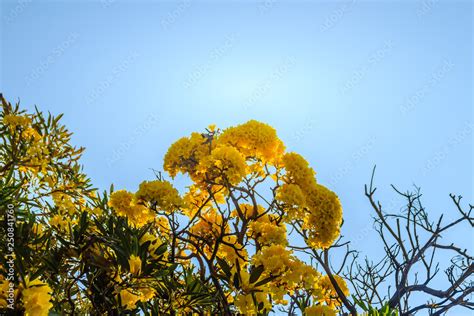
(369, 310)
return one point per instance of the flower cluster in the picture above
(254, 139)
(124, 204)
(224, 165)
(129, 297)
(185, 154)
(267, 232)
(160, 193)
(324, 217)
(36, 298)
(328, 292)
(318, 206)
(225, 168)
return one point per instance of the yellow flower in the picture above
(124, 205)
(64, 202)
(15, 121)
(37, 157)
(195, 199)
(121, 200)
(319, 310)
(274, 258)
(292, 195)
(160, 192)
(147, 294)
(225, 164)
(36, 298)
(323, 215)
(7, 291)
(301, 275)
(129, 299)
(135, 264)
(244, 303)
(209, 225)
(248, 211)
(62, 223)
(329, 294)
(211, 128)
(38, 229)
(268, 233)
(254, 139)
(185, 154)
(324, 218)
(31, 133)
(298, 171)
(233, 253)
(97, 211)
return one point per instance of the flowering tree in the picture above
(253, 233)
(226, 244)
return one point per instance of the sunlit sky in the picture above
(346, 84)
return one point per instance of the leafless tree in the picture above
(413, 246)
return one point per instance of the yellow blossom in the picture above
(135, 264)
(124, 205)
(212, 127)
(248, 211)
(246, 304)
(324, 218)
(268, 233)
(291, 194)
(36, 298)
(37, 156)
(301, 275)
(225, 164)
(184, 155)
(275, 258)
(129, 299)
(62, 223)
(64, 202)
(298, 171)
(319, 310)
(254, 139)
(233, 253)
(31, 133)
(147, 293)
(160, 192)
(209, 225)
(329, 294)
(15, 121)
(7, 291)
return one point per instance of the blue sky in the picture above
(346, 84)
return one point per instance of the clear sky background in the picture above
(346, 84)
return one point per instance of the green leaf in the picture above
(255, 273)
(225, 267)
(237, 280)
(161, 249)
